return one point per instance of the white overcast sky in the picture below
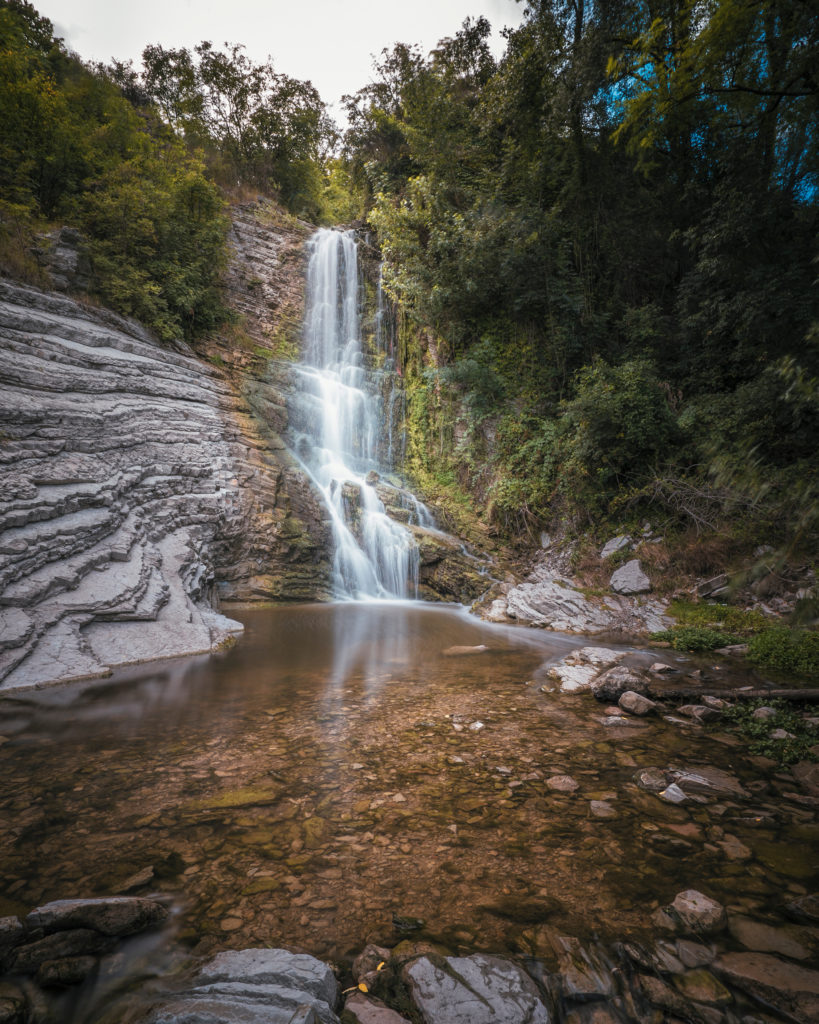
(329, 42)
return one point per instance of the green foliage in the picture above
(625, 205)
(790, 650)
(797, 747)
(73, 147)
(695, 638)
(743, 621)
(257, 125)
(616, 429)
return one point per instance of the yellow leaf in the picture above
(382, 965)
(362, 987)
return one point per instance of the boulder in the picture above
(577, 670)
(636, 704)
(65, 972)
(369, 959)
(477, 989)
(630, 579)
(254, 986)
(610, 685)
(115, 915)
(714, 587)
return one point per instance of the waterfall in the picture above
(337, 430)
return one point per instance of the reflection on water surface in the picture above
(338, 767)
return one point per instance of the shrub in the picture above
(790, 650)
(803, 735)
(695, 638)
(618, 427)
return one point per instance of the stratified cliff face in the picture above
(138, 486)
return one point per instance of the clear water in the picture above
(322, 776)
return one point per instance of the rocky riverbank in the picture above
(70, 961)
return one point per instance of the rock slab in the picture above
(255, 986)
(477, 989)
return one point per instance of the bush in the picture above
(790, 650)
(619, 427)
(796, 747)
(695, 638)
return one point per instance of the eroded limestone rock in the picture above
(136, 490)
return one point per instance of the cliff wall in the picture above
(142, 486)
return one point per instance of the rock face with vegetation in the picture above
(133, 479)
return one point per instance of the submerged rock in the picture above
(786, 986)
(636, 704)
(697, 912)
(610, 685)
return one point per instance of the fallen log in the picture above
(660, 693)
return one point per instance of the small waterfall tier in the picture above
(337, 431)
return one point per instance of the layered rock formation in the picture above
(137, 488)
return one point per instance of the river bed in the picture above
(341, 776)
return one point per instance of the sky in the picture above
(329, 42)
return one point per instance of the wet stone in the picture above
(366, 1009)
(562, 783)
(601, 809)
(65, 972)
(673, 794)
(651, 779)
(117, 915)
(77, 942)
(636, 704)
(474, 990)
(701, 986)
(765, 938)
(697, 912)
(660, 993)
(805, 908)
(614, 682)
(694, 954)
(708, 781)
(784, 985)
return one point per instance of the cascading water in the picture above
(337, 426)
